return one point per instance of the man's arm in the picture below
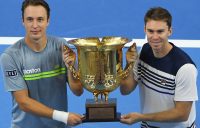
(128, 84)
(30, 105)
(179, 113)
(69, 58)
(74, 84)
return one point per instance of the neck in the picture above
(36, 45)
(164, 51)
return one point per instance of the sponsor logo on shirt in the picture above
(32, 71)
(11, 73)
(163, 82)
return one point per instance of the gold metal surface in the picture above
(99, 64)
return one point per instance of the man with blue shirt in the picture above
(34, 71)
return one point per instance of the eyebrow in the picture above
(159, 30)
(33, 17)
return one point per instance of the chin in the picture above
(35, 37)
(156, 48)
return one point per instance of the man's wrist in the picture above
(60, 116)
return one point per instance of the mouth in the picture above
(156, 45)
(35, 32)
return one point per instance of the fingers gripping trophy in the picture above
(100, 71)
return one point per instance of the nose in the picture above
(155, 36)
(35, 24)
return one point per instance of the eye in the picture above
(40, 19)
(160, 31)
(150, 31)
(29, 19)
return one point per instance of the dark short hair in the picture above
(43, 3)
(158, 14)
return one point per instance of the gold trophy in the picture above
(100, 71)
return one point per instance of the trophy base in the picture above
(101, 111)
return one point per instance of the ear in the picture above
(48, 20)
(170, 31)
(144, 29)
(22, 21)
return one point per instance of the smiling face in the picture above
(157, 33)
(35, 22)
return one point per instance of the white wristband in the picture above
(60, 116)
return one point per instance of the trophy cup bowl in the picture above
(100, 71)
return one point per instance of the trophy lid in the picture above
(111, 40)
(95, 41)
(89, 41)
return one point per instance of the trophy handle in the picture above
(75, 74)
(71, 68)
(125, 73)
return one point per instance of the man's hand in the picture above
(131, 118)
(74, 119)
(131, 54)
(70, 119)
(69, 57)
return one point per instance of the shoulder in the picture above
(145, 47)
(180, 56)
(54, 39)
(180, 59)
(14, 50)
(146, 52)
(55, 43)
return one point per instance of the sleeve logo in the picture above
(11, 73)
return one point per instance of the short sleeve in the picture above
(12, 76)
(186, 88)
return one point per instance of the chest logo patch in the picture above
(163, 82)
